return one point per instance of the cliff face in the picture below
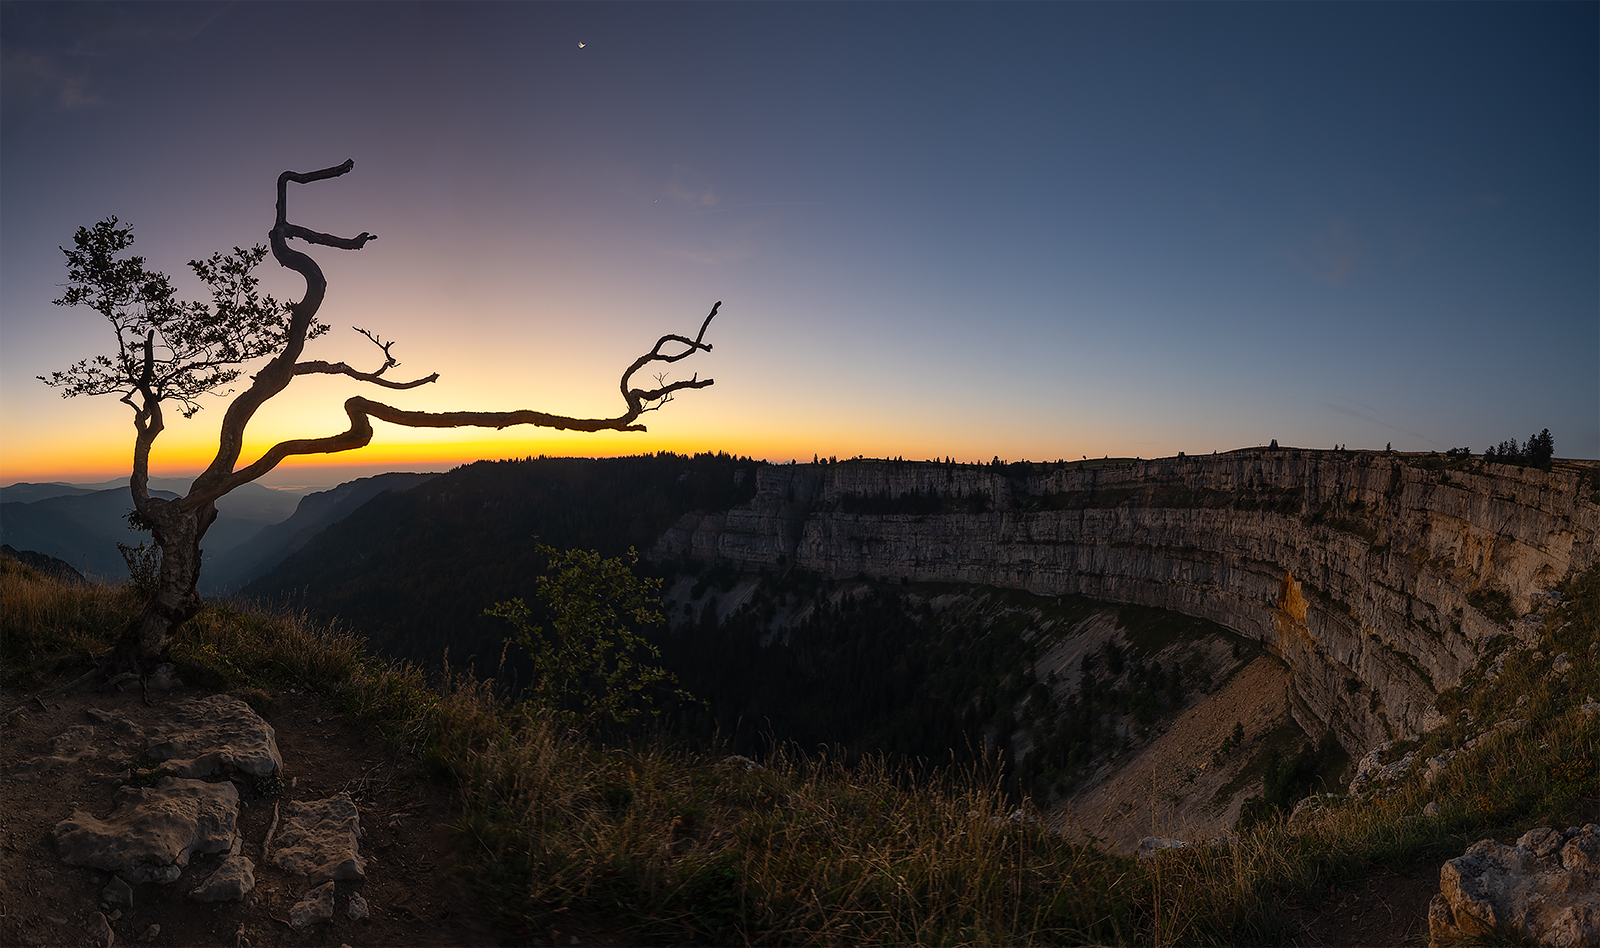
(1376, 580)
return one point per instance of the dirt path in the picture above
(413, 900)
(1383, 910)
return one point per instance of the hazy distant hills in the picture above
(24, 493)
(82, 529)
(48, 565)
(81, 524)
(233, 567)
(415, 570)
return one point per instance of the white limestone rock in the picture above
(1240, 539)
(68, 747)
(1546, 888)
(1374, 772)
(1152, 846)
(231, 881)
(218, 734)
(321, 839)
(153, 831)
(317, 906)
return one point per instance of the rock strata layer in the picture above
(1378, 581)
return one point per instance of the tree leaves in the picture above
(591, 662)
(167, 348)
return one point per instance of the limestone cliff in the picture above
(1377, 578)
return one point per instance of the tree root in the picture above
(106, 670)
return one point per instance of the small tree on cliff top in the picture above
(170, 350)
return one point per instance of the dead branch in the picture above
(361, 411)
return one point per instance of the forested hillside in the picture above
(1056, 687)
(413, 570)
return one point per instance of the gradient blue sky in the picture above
(1032, 231)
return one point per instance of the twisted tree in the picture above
(170, 350)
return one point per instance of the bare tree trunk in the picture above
(178, 529)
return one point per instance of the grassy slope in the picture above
(682, 847)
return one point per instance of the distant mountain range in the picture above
(414, 570)
(81, 524)
(231, 568)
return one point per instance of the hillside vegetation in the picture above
(682, 846)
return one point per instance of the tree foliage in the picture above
(176, 349)
(1538, 451)
(592, 662)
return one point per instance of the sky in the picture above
(1030, 231)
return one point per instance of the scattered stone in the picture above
(1311, 807)
(316, 906)
(43, 875)
(150, 933)
(1545, 888)
(154, 830)
(210, 736)
(1432, 809)
(357, 909)
(1016, 817)
(1150, 846)
(231, 881)
(319, 839)
(164, 678)
(100, 932)
(1590, 709)
(1433, 767)
(1373, 774)
(118, 892)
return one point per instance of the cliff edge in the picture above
(1377, 578)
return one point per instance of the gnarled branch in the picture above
(361, 411)
(318, 367)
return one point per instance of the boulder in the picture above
(209, 736)
(100, 933)
(1152, 846)
(320, 839)
(1373, 774)
(231, 881)
(1545, 887)
(316, 906)
(117, 892)
(153, 831)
